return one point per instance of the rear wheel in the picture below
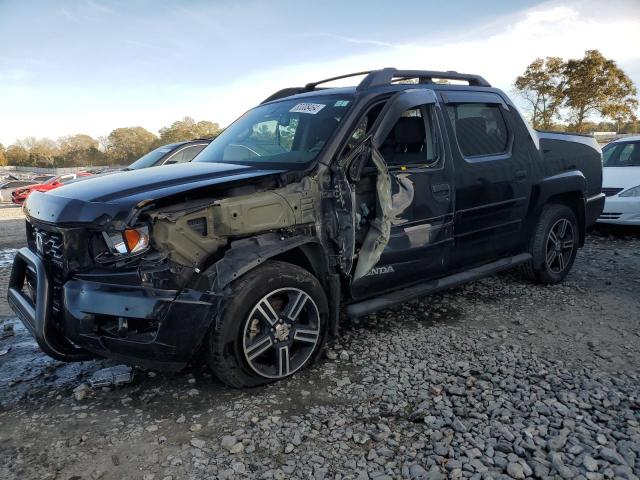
(553, 245)
(272, 325)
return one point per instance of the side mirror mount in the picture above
(358, 159)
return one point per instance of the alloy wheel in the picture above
(281, 332)
(560, 245)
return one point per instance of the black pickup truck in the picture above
(316, 204)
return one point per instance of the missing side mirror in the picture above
(358, 159)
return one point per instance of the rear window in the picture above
(480, 129)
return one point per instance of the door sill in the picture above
(397, 297)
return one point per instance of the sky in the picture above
(89, 66)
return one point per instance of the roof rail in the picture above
(379, 78)
(285, 92)
(311, 86)
(385, 76)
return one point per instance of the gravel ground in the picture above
(496, 379)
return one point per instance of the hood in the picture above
(111, 197)
(620, 177)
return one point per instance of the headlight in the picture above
(631, 192)
(132, 240)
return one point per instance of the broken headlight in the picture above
(129, 241)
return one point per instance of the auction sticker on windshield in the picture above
(311, 108)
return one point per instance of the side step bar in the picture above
(397, 297)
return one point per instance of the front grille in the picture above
(610, 192)
(50, 246)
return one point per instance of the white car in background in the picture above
(621, 182)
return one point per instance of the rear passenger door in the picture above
(491, 176)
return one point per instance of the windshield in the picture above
(150, 158)
(51, 180)
(279, 134)
(625, 154)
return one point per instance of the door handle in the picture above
(521, 174)
(441, 189)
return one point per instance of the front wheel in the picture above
(272, 324)
(553, 245)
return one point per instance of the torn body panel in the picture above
(379, 229)
(192, 232)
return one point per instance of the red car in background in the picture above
(20, 194)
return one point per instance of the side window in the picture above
(625, 154)
(414, 139)
(480, 129)
(264, 132)
(362, 129)
(67, 178)
(286, 133)
(16, 184)
(186, 154)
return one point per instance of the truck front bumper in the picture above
(134, 324)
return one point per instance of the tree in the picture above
(42, 152)
(78, 150)
(188, 129)
(541, 86)
(17, 155)
(595, 85)
(124, 145)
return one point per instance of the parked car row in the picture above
(10, 183)
(620, 183)
(16, 190)
(19, 195)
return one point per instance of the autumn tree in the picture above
(41, 152)
(17, 155)
(541, 86)
(3, 157)
(188, 129)
(596, 85)
(79, 149)
(124, 145)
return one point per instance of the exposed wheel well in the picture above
(297, 256)
(575, 201)
(312, 258)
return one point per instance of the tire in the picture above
(552, 255)
(253, 343)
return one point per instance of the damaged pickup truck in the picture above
(317, 204)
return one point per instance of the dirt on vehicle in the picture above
(496, 379)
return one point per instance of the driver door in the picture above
(411, 237)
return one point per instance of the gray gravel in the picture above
(497, 379)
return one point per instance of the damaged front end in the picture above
(145, 289)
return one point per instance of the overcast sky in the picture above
(85, 66)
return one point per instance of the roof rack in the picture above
(379, 78)
(385, 76)
(312, 86)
